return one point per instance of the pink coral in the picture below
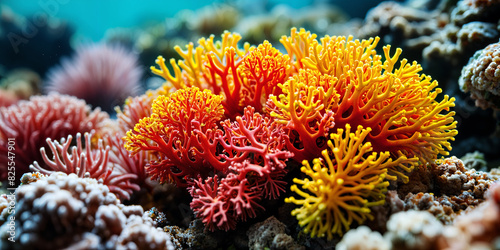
(101, 74)
(259, 148)
(254, 148)
(87, 162)
(29, 123)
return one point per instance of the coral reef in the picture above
(102, 75)
(352, 132)
(231, 164)
(29, 123)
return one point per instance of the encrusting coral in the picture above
(475, 229)
(481, 77)
(82, 214)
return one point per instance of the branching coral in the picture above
(243, 76)
(29, 123)
(305, 109)
(319, 89)
(263, 68)
(255, 147)
(398, 104)
(194, 71)
(213, 201)
(85, 161)
(229, 166)
(343, 185)
(181, 130)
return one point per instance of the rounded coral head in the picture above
(481, 77)
(103, 75)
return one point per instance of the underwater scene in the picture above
(238, 124)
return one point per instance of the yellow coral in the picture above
(191, 71)
(298, 45)
(342, 186)
(304, 107)
(263, 69)
(397, 103)
(183, 111)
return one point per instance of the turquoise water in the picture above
(92, 18)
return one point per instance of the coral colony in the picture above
(296, 106)
(230, 125)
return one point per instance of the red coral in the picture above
(254, 148)
(263, 68)
(256, 145)
(208, 204)
(31, 122)
(87, 161)
(182, 131)
(222, 203)
(231, 83)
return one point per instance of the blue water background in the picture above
(91, 18)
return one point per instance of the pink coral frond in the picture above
(83, 160)
(242, 196)
(208, 204)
